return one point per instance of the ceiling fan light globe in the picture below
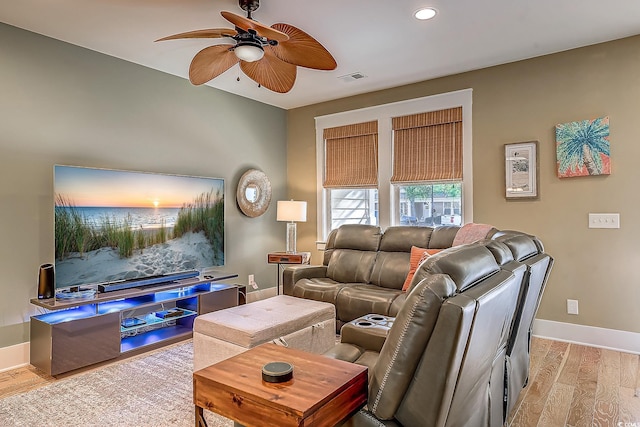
(249, 52)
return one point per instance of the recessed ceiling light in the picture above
(425, 13)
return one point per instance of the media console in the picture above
(76, 333)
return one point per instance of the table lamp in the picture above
(292, 211)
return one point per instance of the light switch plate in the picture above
(604, 220)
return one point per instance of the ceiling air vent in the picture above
(352, 77)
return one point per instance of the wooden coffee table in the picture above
(323, 391)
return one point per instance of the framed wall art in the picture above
(521, 170)
(582, 148)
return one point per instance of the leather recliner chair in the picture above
(528, 250)
(437, 361)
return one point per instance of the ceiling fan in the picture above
(268, 55)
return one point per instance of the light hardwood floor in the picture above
(578, 386)
(22, 379)
(569, 385)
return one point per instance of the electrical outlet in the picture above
(572, 306)
(252, 281)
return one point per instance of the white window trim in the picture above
(384, 114)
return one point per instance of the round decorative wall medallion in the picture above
(254, 193)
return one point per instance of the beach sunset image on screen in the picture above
(117, 225)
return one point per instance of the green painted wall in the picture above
(62, 104)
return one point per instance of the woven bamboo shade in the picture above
(428, 146)
(351, 156)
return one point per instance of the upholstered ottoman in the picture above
(284, 320)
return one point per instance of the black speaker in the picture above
(46, 281)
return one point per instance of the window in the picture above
(398, 199)
(430, 204)
(353, 206)
(351, 173)
(427, 167)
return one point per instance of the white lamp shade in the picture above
(291, 210)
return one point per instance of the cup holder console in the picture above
(374, 321)
(364, 323)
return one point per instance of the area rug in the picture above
(151, 390)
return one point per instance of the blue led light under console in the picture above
(118, 305)
(60, 316)
(65, 336)
(148, 338)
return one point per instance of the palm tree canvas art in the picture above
(583, 148)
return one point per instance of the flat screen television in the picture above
(114, 225)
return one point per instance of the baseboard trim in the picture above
(13, 357)
(613, 339)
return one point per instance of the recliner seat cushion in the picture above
(318, 289)
(360, 299)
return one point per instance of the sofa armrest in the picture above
(346, 352)
(368, 332)
(293, 273)
(397, 304)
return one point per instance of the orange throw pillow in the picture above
(418, 256)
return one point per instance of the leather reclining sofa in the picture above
(364, 269)
(455, 350)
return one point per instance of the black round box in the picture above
(277, 372)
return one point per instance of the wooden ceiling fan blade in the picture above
(247, 24)
(302, 49)
(210, 62)
(271, 72)
(212, 33)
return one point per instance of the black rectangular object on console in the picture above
(147, 281)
